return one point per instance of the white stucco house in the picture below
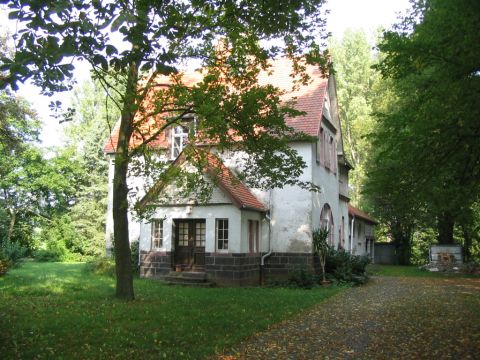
(242, 234)
(361, 235)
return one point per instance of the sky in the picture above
(355, 14)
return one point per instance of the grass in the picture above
(409, 271)
(60, 311)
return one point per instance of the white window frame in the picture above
(180, 133)
(156, 234)
(220, 237)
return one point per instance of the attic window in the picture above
(180, 134)
(179, 140)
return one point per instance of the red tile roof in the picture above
(227, 181)
(223, 177)
(309, 98)
(353, 211)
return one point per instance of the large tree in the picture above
(232, 39)
(430, 132)
(353, 58)
(85, 134)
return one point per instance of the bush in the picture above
(56, 251)
(4, 266)
(102, 266)
(300, 277)
(348, 268)
(13, 251)
(135, 251)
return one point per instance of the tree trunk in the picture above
(123, 264)
(403, 244)
(467, 243)
(445, 224)
(11, 227)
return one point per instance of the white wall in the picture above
(360, 238)
(209, 213)
(291, 209)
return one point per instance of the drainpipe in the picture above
(269, 252)
(351, 235)
(262, 263)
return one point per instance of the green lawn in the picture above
(408, 271)
(57, 310)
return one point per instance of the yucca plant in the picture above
(320, 247)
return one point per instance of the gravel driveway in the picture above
(390, 318)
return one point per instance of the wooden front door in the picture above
(190, 243)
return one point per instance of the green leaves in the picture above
(427, 165)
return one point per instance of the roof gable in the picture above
(224, 179)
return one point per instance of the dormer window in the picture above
(180, 134)
(179, 140)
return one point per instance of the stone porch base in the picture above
(155, 264)
(238, 269)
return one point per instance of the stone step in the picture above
(196, 275)
(205, 284)
(188, 278)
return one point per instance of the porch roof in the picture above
(354, 212)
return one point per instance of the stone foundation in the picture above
(278, 266)
(154, 264)
(233, 269)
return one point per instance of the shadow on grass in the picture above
(55, 310)
(45, 279)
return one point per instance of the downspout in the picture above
(269, 250)
(373, 250)
(351, 235)
(262, 263)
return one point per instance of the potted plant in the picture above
(320, 249)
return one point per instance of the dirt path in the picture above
(390, 318)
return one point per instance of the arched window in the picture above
(326, 221)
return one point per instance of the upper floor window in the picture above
(180, 133)
(179, 140)
(319, 148)
(327, 150)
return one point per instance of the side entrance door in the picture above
(190, 243)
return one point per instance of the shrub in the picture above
(320, 247)
(4, 266)
(101, 266)
(57, 251)
(346, 267)
(13, 251)
(300, 277)
(134, 251)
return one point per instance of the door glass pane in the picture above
(183, 234)
(200, 234)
